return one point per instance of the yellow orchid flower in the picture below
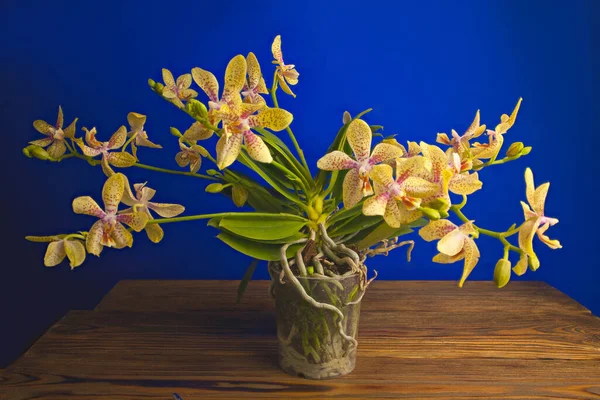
(190, 155)
(59, 247)
(255, 85)
(461, 181)
(197, 131)
(179, 90)
(455, 244)
(460, 143)
(55, 140)
(109, 230)
(120, 159)
(136, 122)
(496, 138)
(286, 74)
(357, 183)
(536, 222)
(140, 202)
(398, 199)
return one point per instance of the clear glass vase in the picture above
(311, 343)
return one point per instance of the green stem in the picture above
(288, 129)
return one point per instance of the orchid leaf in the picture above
(258, 250)
(246, 279)
(263, 227)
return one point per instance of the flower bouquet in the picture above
(316, 230)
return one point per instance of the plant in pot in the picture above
(315, 230)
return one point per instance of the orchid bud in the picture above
(502, 273)
(38, 152)
(27, 151)
(318, 204)
(346, 118)
(212, 172)
(158, 88)
(197, 109)
(151, 83)
(515, 149)
(239, 194)
(430, 213)
(214, 188)
(526, 151)
(175, 132)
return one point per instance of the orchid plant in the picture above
(359, 203)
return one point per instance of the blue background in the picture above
(424, 67)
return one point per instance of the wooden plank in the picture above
(407, 296)
(148, 339)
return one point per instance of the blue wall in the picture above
(424, 67)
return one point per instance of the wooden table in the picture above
(148, 339)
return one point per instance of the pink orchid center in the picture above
(57, 134)
(215, 105)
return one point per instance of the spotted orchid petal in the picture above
(529, 186)
(507, 122)
(166, 210)
(385, 152)
(105, 165)
(112, 192)
(90, 138)
(383, 175)
(336, 161)
(42, 142)
(419, 187)
(143, 192)
(359, 138)
(539, 198)
(452, 243)
(142, 140)
(228, 148)
(136, 121)
(393, 214)
(120, 159)
(475, 129)
(55, 253)
(443, 139)
(275, 119)
(184, 81)
(56, 149)
(119, 237)
(377, 204)
(490, 149)
(207, 82)
(284, 85)
(257, 149)
(43, 127)
(436, 230)
(168, 78)
(526, 234)
(118, 138)
(464, 183)
(552, 243)
(136, 220)
(235, 77)
(154, 232)
(93, 240)
(442, 258)
(87, 206)
(438, 160)
(69, 131)
(471, 254)
(75, 251)
(254, 73)
(197, 131)
(352, 188)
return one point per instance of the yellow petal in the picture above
(108, 171)
(235, 77)
(474, 128)
(352, 188)
(262, 87)
(529, 187)
(376, 205)
(121, 159)
(112, 192)
(526, 234)
(438, 160)
(121, 237)
(435, 230)
(118, 138)
(168, 78)
(552, 243)
(441, 258)
(75, 252)
(43, 127)
(60, 119)
(336, 161)
(385, 152)
(166, 210)
(359, 137)
(228, 148)
(539, 197)
(468, 228)
(275, 119)
(42, 142)
(254, 74)
(392, 215)
(443, 139)
(136, 220)
(471, 253)
(284, 86)
(413, 149)
(465, 183)
(207, 82)
(155, 233)
(521, 266)
(56, 149)
(408, 216)
(55, 253)
(184, 81)
(452, 243)
(382, 174)
(182, 159)
(136, 121)
(257, 149)
(69, 131)
(527, 213)
(276, 49)
(419, 187)
(86, 205)
(197, 132)
(187, 94)
(93, 241)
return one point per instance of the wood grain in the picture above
(148, 339)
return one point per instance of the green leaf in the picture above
(355, 225)
(246, 279)
(260, 251)
(263, 227)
